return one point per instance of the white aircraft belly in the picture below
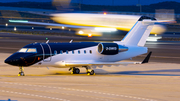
(60, 60)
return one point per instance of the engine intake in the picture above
(110, 48)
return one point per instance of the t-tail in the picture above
(139, 32)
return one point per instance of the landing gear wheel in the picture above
(75, 70)
(91, 72)
(21, 73)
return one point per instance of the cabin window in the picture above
(90, 51)
(55, 52)
(78, 51)
(61, 52)
(72, 51)
(66, 51)
(84, 51)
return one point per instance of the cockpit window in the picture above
(23, 50)
(28, 50)
(32, 50)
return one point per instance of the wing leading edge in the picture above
(47, 24)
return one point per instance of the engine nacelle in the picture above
(110, 48)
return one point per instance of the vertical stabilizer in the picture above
(139, 32)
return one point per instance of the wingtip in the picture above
(146, 60)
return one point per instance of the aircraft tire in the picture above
(76, 71)
(21, 74)
(92, 72)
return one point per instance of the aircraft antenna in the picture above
(71, 41)
(47, 41)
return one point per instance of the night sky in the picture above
(103, 2)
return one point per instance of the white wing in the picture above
(47, 24)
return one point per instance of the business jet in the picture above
(86, 54)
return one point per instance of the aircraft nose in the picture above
(8, 61)
(14, 60)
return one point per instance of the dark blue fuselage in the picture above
(43, 51)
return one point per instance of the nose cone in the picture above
(21, 59)
(14, 60)
(8, 61)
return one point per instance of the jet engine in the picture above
(110, 48)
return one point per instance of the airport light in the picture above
(89, 35)
(105, 29)
(62, 27)
(32, 27)
(15, 29)
(18, 20)
(50, 28)
(81, 32)
(153, 38)
(6, 24)
(105, 13)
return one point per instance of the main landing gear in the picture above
(21, 73)
(74, 70)
(89, 71)
(77, 71)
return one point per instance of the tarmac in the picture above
(157, 80)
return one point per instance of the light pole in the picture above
(140, 7)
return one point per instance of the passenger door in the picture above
(47, 53)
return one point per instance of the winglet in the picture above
(147, 58)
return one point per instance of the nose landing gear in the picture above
(21, 73)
